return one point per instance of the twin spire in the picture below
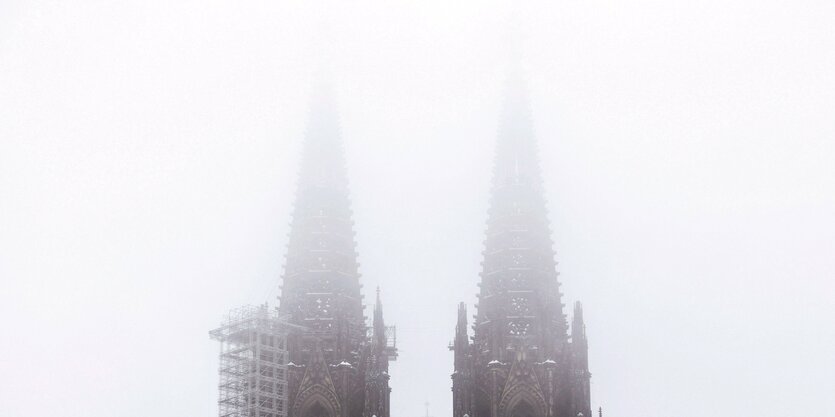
(340, 369)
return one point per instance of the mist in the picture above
(149, 153)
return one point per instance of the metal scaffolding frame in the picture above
(253, 363)
(390, 348)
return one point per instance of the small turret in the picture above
(580, 362)
(461, 339)
(578, 327)
(379, 325)
(462, 388)
(377, 390)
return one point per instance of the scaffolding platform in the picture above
(253, 363)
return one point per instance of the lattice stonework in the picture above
(253, 363)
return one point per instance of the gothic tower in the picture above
(521, 361)
(329, 348)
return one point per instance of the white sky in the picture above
(149, 150)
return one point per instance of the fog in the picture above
(149, 154)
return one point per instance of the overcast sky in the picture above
(149, 153)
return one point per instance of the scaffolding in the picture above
(391, 343)
(390, 348)
(253, 363)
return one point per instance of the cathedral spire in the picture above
(321, 280)
(519, 301)
(321, 289)
(521, 361)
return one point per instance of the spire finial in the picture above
(378, 306)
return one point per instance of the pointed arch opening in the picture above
(522, 409)
(316, 410)
(317, 402)
(524, 401)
